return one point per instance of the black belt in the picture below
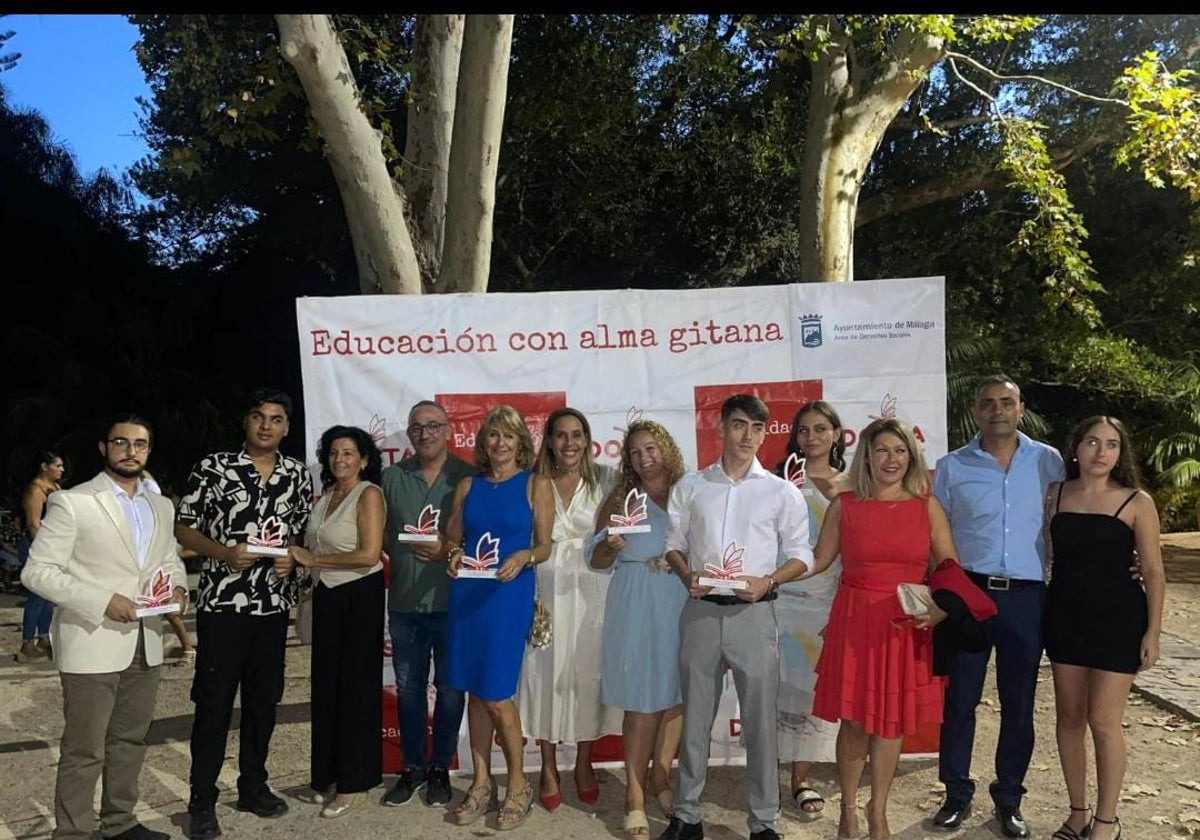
(733, 600)
(1002, 584)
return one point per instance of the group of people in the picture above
(785, 578)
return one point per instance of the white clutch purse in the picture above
(915, 598)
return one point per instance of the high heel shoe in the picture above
(1114, 821)
(588, 796)
(549, 801)
(1065, 832)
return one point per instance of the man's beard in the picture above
(124, 471)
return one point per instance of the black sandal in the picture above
(1065, 832)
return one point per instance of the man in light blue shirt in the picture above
(993, 490)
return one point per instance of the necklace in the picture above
(567, 471)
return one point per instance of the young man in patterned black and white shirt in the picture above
(244, 601)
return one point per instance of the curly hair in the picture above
(506, 419)
(837, 453)
(363, 442)
(1126, 472)
(916, 477)
(672, 460)
(546, 460)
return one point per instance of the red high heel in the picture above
(589, 797)
(552, 801)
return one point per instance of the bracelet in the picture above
(773, 584)
(454, 550)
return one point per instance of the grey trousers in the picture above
(107, 719)
(744, 638)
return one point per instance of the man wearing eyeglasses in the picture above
(235, 505)
(417, 605)
(100, 546)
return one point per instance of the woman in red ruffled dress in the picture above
(875, 673)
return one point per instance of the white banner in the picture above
(871, 348)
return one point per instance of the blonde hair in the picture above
(505, 418)
(916, 477)
(546, 460)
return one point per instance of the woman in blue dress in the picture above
(639, 658)
(507, 512)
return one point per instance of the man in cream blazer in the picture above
(100, 546)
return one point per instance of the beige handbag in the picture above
(915, 598)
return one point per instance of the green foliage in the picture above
(1164, 118)
(1054, 233)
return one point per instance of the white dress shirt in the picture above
(765, 514)
(138, 514)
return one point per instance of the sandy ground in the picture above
(1161, 797)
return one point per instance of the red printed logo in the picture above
(731, 563)
(793, 469)
(270, 535)
(427, 522)
(159, 594)
(635, 510)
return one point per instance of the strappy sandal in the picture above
(516, 809)
(1065, 832)
(665, 797)
(478, 801)
(851, 807)
(636, 825)
(1114, 821)
(810, 803)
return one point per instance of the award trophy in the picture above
(633, 520)
(426, 529)
(793, 470)
(156, 599)
(485, 561)
(723, 578)
(269, 541)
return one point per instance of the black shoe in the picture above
(262, 803)
(437, 791)
(1011, 821)
(204, 824)
(139, 832)
(410, 781)
(952, 813)
(677, 829)
(765, 834)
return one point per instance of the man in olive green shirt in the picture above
(417, 605)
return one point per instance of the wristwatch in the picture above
(773, 585)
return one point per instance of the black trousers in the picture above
(235, 650)
(347, 685)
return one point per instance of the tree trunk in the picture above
(475, 152)
(437, 52)
(374, 208)
(847, 116)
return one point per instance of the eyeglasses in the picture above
(127, 444)
(419, 429)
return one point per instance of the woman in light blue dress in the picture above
(639, 657)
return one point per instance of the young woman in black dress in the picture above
(1101, 625)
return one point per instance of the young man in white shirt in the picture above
(733, 505)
